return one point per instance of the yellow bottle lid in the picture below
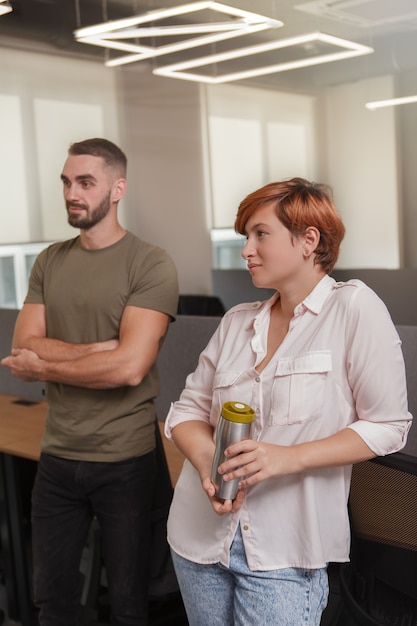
(238, 412)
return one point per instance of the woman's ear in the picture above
(311, 240)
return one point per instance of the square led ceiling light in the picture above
(363, 13)
(338, 49)
(114, 34)
(5, 7)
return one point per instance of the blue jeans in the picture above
(66, 496)
(215, 595)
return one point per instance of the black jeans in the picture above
(66, 496)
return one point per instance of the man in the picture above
(97, 309)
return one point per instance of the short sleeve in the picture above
(35, 293)
(154, 282)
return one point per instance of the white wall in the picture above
(361, 166)
(193, 152)
(256, 136)
(45, 104)
(197, 151)
(15, 222)
(161, 132)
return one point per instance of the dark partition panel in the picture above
(397, 288)
(8, 383)
(186, 338)
(235, 286)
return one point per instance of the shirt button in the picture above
(257, 379)
(246, 527)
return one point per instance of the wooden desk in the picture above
(22, 423)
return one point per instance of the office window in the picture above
(255, 137)
(227, 247)
(16, 262)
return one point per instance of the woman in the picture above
(321, 364)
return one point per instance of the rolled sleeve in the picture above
(177, 416)
(385, 438)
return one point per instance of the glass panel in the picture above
(227, 256)
(227, 248)
(8, 299)
(16, 262)
(29, 261)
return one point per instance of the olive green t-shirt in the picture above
(84, 292)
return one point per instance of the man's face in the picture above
(87, 190)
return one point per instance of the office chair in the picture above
(196, 304)
(379, 585)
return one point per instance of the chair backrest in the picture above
(383, 502)
(379, 586)
(380, 583)
(195, 304)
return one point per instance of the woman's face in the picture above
(274, 256)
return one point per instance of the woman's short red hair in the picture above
(299, 204)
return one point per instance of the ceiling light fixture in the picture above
(349, 49)
(113, 34)
(5, 7)
(379, 104)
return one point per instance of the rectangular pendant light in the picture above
(379, 104)
(348, 49)
(114, 34)
(5, 7)
(123, 35)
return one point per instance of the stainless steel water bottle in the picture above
(235, 424)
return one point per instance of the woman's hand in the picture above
(254, 461)
(195, 440)
(219, 505)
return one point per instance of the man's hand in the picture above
(99, 365)
(24, 364)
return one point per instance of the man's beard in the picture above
(88, 221)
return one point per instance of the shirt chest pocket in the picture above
(299, 387)
(227, 387)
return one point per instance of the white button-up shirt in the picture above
(340, 365)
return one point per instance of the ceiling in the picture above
(388, 26)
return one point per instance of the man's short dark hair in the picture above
(111, 154)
